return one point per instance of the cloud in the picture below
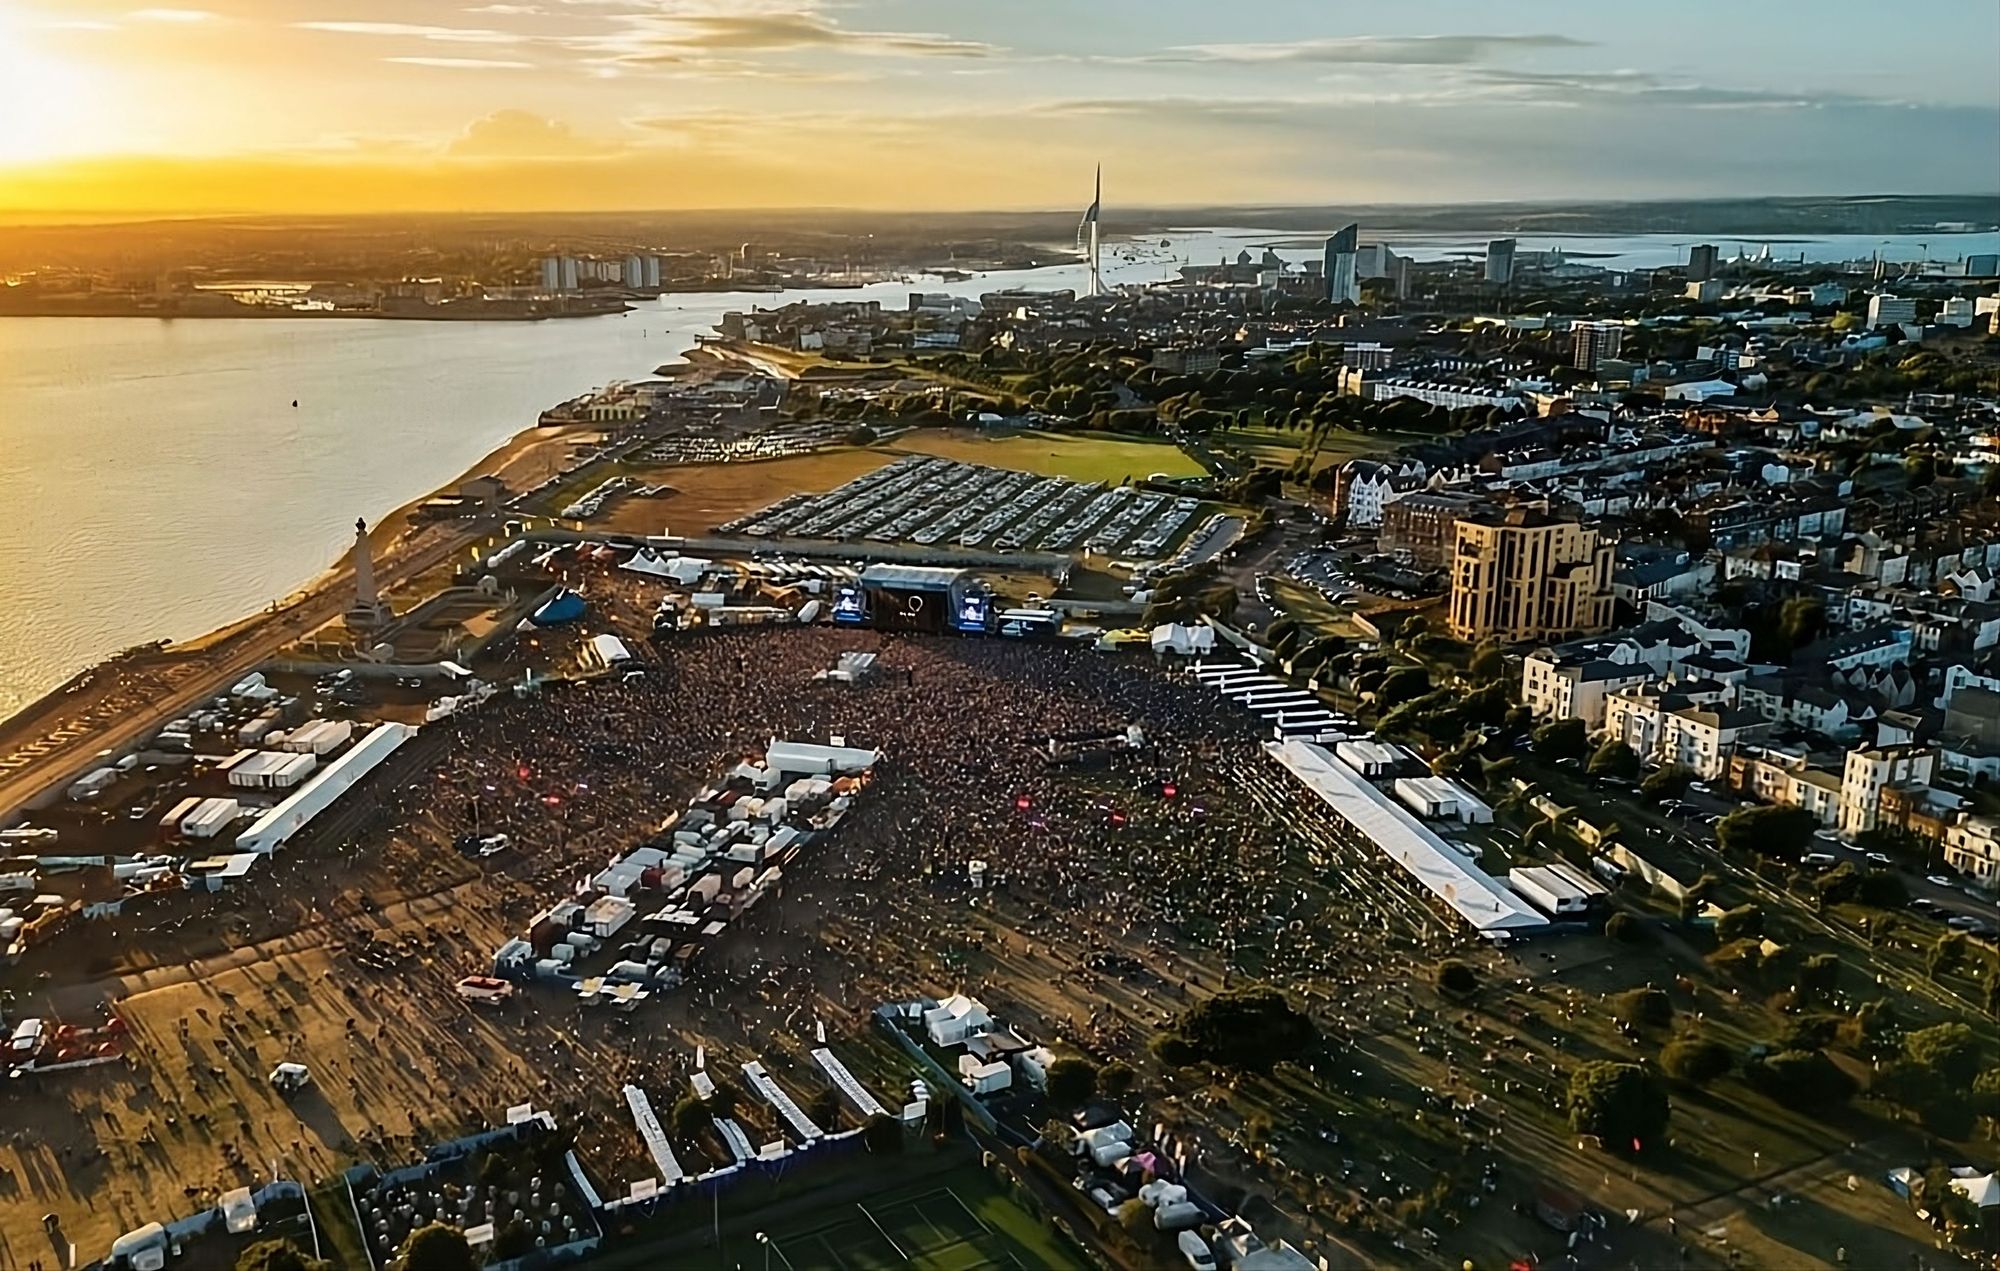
(173, 15)
(1372, 50)
(411, 30)
(462, 63)
(521, 134)
(690, 37)
(1631, 87)
(509, 10)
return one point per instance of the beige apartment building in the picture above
(1521, 575)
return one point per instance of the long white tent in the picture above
(1482, 900)
(270, 831)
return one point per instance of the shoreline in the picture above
(192, 668)
(268, 313)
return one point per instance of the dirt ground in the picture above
(707, 494)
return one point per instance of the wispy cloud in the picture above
(417, 31)
(687, 36)
(173, 15)
(1631, 87)
(462, 63)
(1375, 50)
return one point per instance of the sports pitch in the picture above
(962, 1222)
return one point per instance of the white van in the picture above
(1195, 1251)
(1819, 860)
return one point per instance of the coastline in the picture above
(186, 671)
(267, 312)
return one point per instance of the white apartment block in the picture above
(1867, 771)
(1972, 847)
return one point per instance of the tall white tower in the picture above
(1087, 240)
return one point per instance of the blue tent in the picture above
(564, 606)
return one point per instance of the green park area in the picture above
(953, 1217)
(1078, 456)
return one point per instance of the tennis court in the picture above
(933, 1231)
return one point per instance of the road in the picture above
(228, 660)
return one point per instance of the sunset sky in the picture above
(363, 105)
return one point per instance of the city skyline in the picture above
(416, 105)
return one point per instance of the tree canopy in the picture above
(1781, 832)
(1071, 1081)
(1562, 739)
(1252, 1028)
(278, 1255)
(1695, 1061)
(436, 1247)
(1623, 1105)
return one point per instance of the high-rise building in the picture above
(1342, 285)
(653, 273)
(1521, 575)
(635, 273)
(551, 273)
(1500, 262)
(1596, 342)
(1701, 262)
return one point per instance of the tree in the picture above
(690, 1116)
(1404, 684)
(1489, 661)
(1669, 782)
(1252, 1029)
(882, 1134)
(1871, 1031)
(1784, 833)
(436, 1247)
(1614, 759)
(1457, 979)
(1802, 1079)
(1116, 1078)
(1135, 1216)
(1741, 923)
(1623, 1105)
(1173, 1050)
(1946, 954)
(1950, 1051)
(1643, 1008)
(1625, 929)
(1562, 739)
(278, 1255)
(1695, 1061)
(1071, 1081)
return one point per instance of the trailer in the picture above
(210, 817)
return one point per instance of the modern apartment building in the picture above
(1521, 575)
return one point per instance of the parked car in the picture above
(1938, 879)
(1879, 858)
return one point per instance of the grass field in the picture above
(960, 1220)
(1278, 449)
(1092, 457)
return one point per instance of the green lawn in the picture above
(959, 1218)
(1079, 456)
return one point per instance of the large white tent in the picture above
(1482, 900)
